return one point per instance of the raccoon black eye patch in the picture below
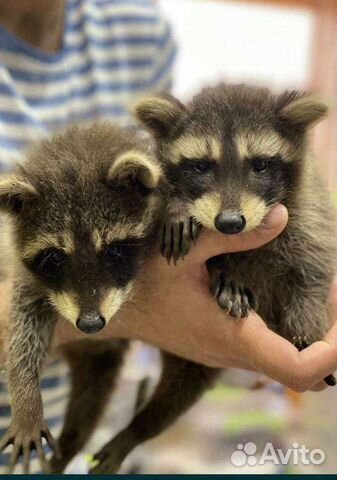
(121, 250)
(120, 261)
(272, 158)
(49, 263)
(198, 165)
(261, 164)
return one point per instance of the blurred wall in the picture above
(244, 41)
(239, 42)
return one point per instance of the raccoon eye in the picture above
(119, 251)
(202, 166)
(260, 165)
(113, 251)
(50, 262)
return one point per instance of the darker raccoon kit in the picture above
(83, 211)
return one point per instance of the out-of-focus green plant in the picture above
(255, 419)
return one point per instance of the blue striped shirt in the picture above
(113, 52)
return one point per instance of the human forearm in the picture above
(174, 311)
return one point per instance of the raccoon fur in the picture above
(83, 213)
(231, 154)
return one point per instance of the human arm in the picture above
(174, 311)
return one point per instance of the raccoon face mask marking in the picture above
(83, 230)
(259, 146)
(67, 304)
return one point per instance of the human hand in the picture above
(174, 311)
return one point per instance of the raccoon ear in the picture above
(14, 192)
(134, 168)
(160, 114)
(305, 111)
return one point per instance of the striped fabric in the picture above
(113, 52)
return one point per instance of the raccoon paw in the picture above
(57, 465)
(177, 238)
(109, 459)
(24, 440)
(301, 342)
(236, 300)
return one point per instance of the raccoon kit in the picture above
(229, 156)
(83, 211)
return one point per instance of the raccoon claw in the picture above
(177, 238)
(108, 465)
(237, 301)
(301, 343)
(24, 441)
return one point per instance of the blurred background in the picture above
(284, 44)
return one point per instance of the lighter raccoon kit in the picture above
(229, 156)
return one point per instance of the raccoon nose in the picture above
(230, 223)
(90, 323)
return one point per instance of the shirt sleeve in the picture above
(164, 58)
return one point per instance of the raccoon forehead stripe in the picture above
(67, 242)
(254, 209)
(66, 304)
(206, 208)
(97, 239)
(124, 230)
(262, 144)
(62, 241)
(191, 146)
